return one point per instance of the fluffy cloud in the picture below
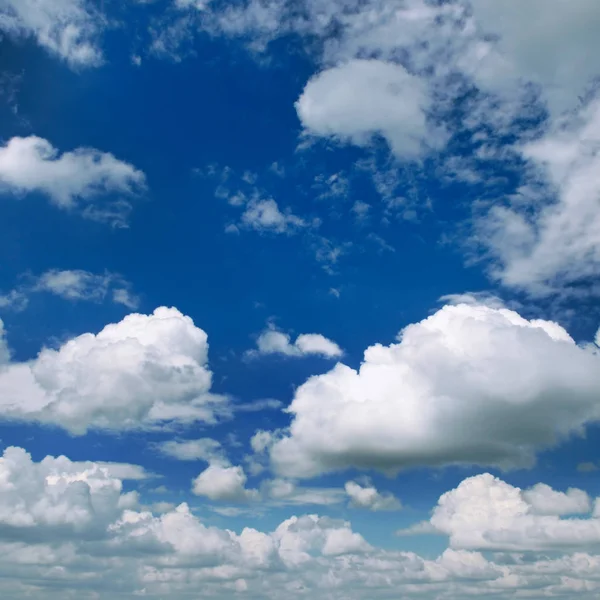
(272, 341)
(71, 179)
(138, 373)
(514, 385)
(560, 245)
(66, 28)
(67, 528)
(74, 285)
(361, 98)
(484, 512)
(367, 496)
(222, 482)
(57, 496)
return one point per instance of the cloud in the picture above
(68, 527)
(57, 497)
(360, 98)
(265, 216)
(484, 512)
(368, 497)
(555, 54)
(221, 482)
(140, 373)
(548, 238)
(73, 285)
(69, 29)
(205, 449)
(72, 180)
(516, 386)
(272, 341)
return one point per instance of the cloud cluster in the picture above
(514, 385)
(139, 373)
(68, 529)
(72, 180)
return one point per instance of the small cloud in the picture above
(587, 467)
(272, 341)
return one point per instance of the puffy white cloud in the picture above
(546, 240)
(272, 341)
(368, 497)
(546, 501)
(360, 98)
(66, 529)
(205, 449)
(514, 385)
(484, 512)
(138, 373)
(222, 482)
(58, 495)
(66, 28)
(70, 179)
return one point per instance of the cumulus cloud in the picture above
(367, 496)
(223, 482)
(59, 497)
(68, 29)
(272, 341)
(484, 512)
(72, 180)
(514, 385)
(139, 373)
(361, 98)
(68, 526)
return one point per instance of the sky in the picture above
(299, 299)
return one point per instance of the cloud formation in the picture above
(71, 180)
(515, 385)
(140, 373)
(272, 341)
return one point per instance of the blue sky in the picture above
(299, 298)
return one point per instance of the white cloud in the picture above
(514, 385)
(361, 98)
(557, 53)
(57, 495)
(66, 28)
(368, 497)
(221, 482)
(546, 501)
(72, 179)
(272, 341)
(548, 239)
(484, 512)
(68, 528)
(73, 285)
(265, 216)
(139, 373)
(205, 449)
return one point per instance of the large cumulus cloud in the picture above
(469, 385)
(138, 373)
